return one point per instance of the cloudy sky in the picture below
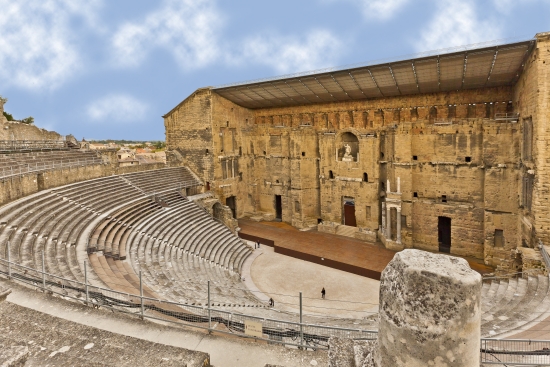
(110, 69)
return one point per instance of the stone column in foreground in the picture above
(430, 312)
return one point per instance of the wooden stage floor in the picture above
(343, 253)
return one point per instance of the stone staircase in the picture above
(346, 231)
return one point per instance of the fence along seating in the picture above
(21, 163)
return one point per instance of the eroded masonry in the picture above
(446, 153)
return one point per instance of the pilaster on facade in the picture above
(392, 201)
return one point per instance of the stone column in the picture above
(430, 312)
(388, 222)
(383, 217)
(398, 225)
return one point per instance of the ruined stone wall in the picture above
(14, 130)
(189, 134)
(16, 187)
(532, 98)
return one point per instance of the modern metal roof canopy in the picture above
(496, 65)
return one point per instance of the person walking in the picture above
(323, 293)
(271, 302)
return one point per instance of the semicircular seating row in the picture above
(121, 210)
(515, 306)
(177, 248)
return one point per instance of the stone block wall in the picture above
(188, 129)
(532, 100)
(450, 155)
(16, 187)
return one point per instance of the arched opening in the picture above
(347, 147)
(207, 186)
(365, 177)
(330, 175)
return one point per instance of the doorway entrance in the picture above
(278, 208)
(444, 234)
(231, 202)
(349, 212)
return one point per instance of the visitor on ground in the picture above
(258, 244)
(323, 293)
(271, 302)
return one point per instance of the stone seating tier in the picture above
(511, 305)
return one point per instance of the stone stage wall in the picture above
(413, 163)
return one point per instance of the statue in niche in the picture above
(347, 154)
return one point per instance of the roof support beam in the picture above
(338, 84)
(287, 96)
(375, 83)
(298, 93)
(357, 84)
(309, 89)
(271, 94)
(256, 93)
(395, 81)
(415, 77)
(464, 69)
(317, 80)
(492, 66)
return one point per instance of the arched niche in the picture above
(347, 147)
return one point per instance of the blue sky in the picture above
(110, 69)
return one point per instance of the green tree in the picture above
(8, 116)
(28, 120)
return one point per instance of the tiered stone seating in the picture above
(173, 178)
(180, 248)
(20, 163)
(176, 245)
(514, 304)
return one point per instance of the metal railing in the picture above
(27, 168)
(302, 335)
(545, 255)
(515, 352)
(15, 145)
(506, 116)
(507, 352)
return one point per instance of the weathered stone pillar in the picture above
(398, 225)
(388, 222)
(383, 217)
(430, 312)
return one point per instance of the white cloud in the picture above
(117, 108)
(378, 9)
(319, 48)
(456, 23)
(185, 28)
(37, 43)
